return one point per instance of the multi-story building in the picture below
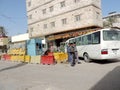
(112, 20)
(61, 17)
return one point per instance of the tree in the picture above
(2, 31)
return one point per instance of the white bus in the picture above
(100, 44)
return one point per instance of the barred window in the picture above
(52, 24)
(29, 3)
(77, 17)
(30, 16)
(51, 8)
(31, 29)
(64, 21)
(45, 26)
(44, 11)
(76, 1)
(62, 4)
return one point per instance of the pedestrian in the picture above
(72, 54)
(69, 53)
(76, 54)
(53, 48)
(46, 52)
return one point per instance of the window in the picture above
(76, 1)
(45, 26)
(72, 41)
(51, 8)
(52, 24)
(97, 15)
(35, 11)
(30, 16)
(78, 41)
(96, 38)
(111, 35)
(62, 4)
(44, 11)
(29, 4)
(84, 40)
(64, 21)
(89, 39)
(31, 29)
(77, 17)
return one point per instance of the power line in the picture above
(11, 19)
(6, 17)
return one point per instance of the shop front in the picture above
(58, 38)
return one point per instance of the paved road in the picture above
(97, 75)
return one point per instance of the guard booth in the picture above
(34, 47)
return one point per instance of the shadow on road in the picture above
(13, 67)
(105, 61)
(102, 61)
(110, 82)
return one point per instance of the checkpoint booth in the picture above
(17, 49)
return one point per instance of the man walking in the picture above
(72, 54)
(69, 53)
(76, 54)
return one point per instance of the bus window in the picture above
(89, 39)
(78, 41)
(84, 40)
(111, 35)
(72, 41)
(96, 38)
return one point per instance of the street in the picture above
(97, 75)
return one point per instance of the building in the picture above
(57, 20)
(3, 40)
(112, 20)
(18, 43)
(23, 44)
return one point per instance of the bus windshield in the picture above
(111, 35)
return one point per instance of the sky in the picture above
(13, 15)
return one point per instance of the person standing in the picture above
(76, 54)
(53, 48)
(72, 54)
(69, 53)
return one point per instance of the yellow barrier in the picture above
(14, 58)
(27, 58)
(35, 59)
(64, 57)
(21, 58)
(56, 56)
(60, 57)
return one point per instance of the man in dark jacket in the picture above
(72, 54)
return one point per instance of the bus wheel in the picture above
(86, 57)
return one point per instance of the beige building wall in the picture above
(74, 15)
(112, 20)
(3, 41)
